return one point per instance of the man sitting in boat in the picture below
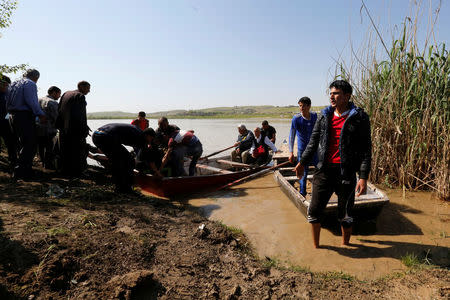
(110, 139)
(244, 143)
(166, 130)
(269, 131)
(259, 152)
(183, 143)
(301, 127)
(342, 138)
(149, 159)
(141, 122)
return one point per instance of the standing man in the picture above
(110, 139)
(301, 127)
(342, 137)
(23, 106)
(73, 129)
(244, 143)
(5, 127)
(269, 131)
(141, 122)
(47, 132)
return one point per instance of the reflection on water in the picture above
(215, 134)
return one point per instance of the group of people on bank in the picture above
(337, 142)
(30, 125)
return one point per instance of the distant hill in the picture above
(267, 111)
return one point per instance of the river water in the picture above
(412, 223)
(215, 134)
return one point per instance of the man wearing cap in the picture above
(23, 106)
(5, 127)
(244, 143)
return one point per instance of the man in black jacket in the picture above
(341, 137)
(110, 139)
(73, 129)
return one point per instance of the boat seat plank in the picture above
(295, 178)
(213, 169)
(232, 163)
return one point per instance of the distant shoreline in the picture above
(236, 112)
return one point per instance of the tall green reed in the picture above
(407, 97)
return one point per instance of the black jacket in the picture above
(72, 114)
(355, 145)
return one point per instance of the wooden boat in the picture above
(368, 205)
(212, 174)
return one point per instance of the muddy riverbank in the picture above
(414, 224)
(92, 243)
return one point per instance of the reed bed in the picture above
(407, 98)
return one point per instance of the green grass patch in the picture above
(332, 275)
(57, 231)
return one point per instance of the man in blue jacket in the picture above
(23, 106)
(342, 140)
(301, 127)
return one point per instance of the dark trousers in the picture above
(121, 160)
(73, 154)
(45, 151)
(195, 151)
(327, 180)
(10, 141)
(24, 127)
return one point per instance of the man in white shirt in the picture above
(259, 151)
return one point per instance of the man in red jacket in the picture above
(141, 122)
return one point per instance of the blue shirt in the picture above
(301, 128)
(22, 96)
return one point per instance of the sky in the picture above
(190, 54)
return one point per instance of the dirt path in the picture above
(95, 244)
(418, 224)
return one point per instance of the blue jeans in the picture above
(180, 151)
(302, 181)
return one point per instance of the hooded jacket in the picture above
(355, 145)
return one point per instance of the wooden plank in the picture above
(232, 163)
(299, 201)
(213, 169)
(295, 178)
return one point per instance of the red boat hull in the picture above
(175, 186)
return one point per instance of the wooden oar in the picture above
(215, 153)
(254, 175)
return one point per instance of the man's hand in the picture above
(299, 170)
(238, 151)
(291, 158)
(361, 187)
